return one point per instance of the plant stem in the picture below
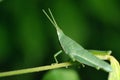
(36, 69)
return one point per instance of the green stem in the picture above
(48, 67)
(36, 69)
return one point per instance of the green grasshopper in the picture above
(75, 51)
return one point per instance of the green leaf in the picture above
(104, 55)
(61, 74)
(115, 74)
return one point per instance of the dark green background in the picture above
(27, 38)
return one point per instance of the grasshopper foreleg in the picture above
(55, 55)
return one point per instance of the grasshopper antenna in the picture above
(52, 19)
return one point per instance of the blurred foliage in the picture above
(27, 39)
(61, 74)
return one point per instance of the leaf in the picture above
(61, 74)
(115, 74)
(104, 55)
(75, 51)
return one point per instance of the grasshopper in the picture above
(75, 51)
